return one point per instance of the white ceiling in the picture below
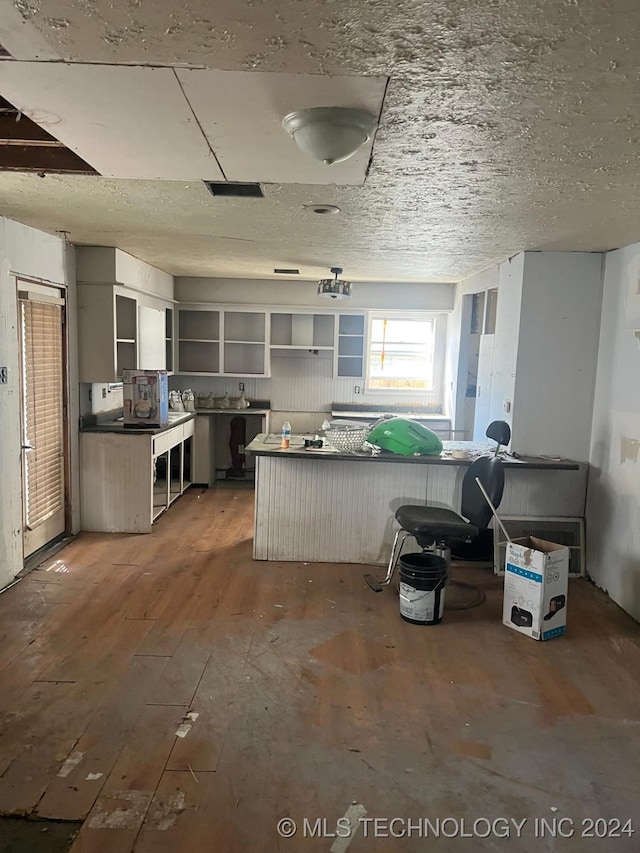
(505, 126)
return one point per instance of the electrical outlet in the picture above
(506, 405)
(356, 390)
(3, 376)
(241, 386)
(104, 393)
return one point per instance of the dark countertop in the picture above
(269, 445)
(118, 427)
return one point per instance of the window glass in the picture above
(406, 353)
(401, 353)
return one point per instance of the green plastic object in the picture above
(406, 437)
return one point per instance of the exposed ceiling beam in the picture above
(26, 147)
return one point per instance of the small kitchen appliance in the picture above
(146, 398)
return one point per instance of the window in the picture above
(406, 353)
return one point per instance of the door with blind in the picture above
(43, 404)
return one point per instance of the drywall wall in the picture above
(39, 256)
(613, 498)
(557, 354)
(303, 294)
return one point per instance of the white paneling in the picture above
(114, 117)
(613, 506)
(241, 114)
(323, 510)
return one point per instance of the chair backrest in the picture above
(499, 431)
(474, 507)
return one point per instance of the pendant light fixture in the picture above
(334, 288)
(330, 134)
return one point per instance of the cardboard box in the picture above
(536, 583)
(146, 397)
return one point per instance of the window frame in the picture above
(436, 394)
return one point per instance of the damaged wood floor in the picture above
(175, 695)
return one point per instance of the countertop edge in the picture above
(411, 460)
(118, 428)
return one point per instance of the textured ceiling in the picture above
(506, 126)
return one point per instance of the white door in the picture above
(43, 394)
(483, 388)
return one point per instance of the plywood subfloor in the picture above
(174, 694)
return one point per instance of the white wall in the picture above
(39, 256)
(302, 385)
(303, 294)
(613, 500)
(557, 354)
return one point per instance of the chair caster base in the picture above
(373, 583)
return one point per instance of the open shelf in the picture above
(302, 331)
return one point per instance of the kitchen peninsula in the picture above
(327, 506)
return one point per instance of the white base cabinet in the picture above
(127, 480)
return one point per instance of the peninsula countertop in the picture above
(268, 444)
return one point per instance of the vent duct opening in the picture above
(233, 189)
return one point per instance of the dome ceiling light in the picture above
(334, 288)
(330, 134)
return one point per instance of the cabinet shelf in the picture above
(300, 346)
(221, 342)
(350, 355)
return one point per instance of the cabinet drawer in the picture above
(188, 428)
(166, 440)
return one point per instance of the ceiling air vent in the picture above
(287, 272)
(232, 189)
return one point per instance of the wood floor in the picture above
(179, 697)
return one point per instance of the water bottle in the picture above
(286, 434)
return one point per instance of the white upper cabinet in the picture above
(217, 341)
(302, 331)
(350, 354)
(107, 332)
(125, 316)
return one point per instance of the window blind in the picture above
(43, 415)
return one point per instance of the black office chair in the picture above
(437, 525)
(499, 431)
